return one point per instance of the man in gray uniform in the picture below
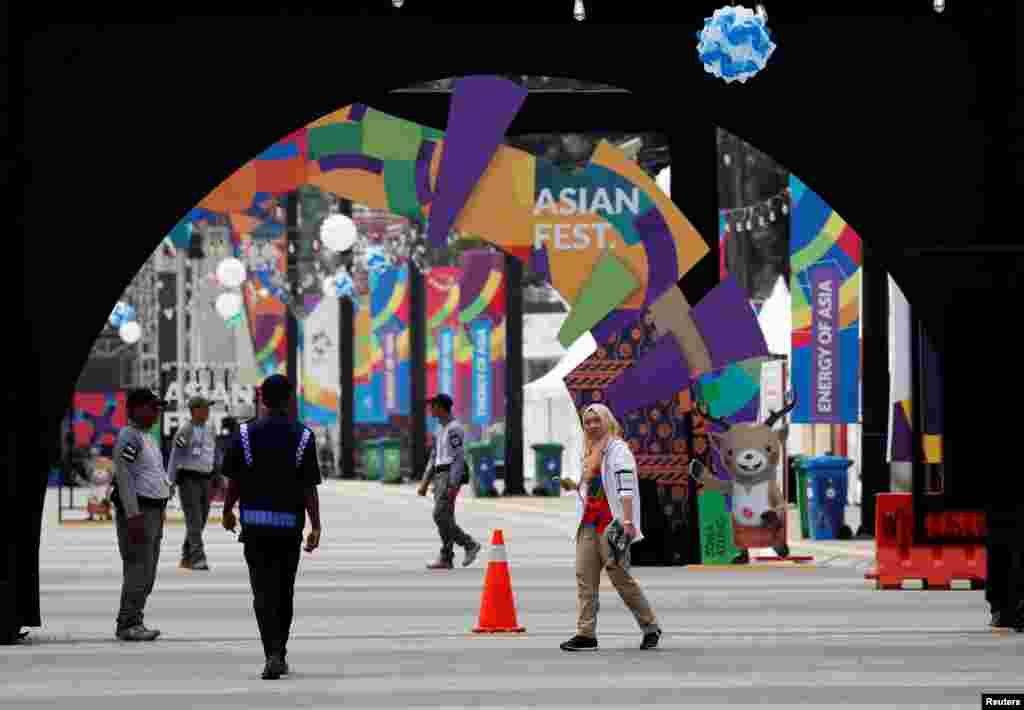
(447, 469)
(190, 469)
(140, 498)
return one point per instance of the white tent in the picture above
(776, 319)
(664, 180)
(549, 414)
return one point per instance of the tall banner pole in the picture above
(418, 369)
(514, 474)
(292, 244)
(346, 369)
(874, 469)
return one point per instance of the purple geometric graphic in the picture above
(902, 437)
(659, 374)
(351, 162)
(482, 109)
(728, 326)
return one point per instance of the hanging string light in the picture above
(765, 212)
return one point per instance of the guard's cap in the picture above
(141, 396)
(442, 399)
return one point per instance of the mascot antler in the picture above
(702, 409)
(776, 416)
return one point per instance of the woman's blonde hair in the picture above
(610, 423)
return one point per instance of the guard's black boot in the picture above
(274, 668)
(999, 619)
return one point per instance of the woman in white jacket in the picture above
(608, 491)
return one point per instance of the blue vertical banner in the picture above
(446, 361)
(480, 332)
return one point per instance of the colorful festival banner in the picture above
(825, 258)
(261, 246)
(367, 377)
(442, 298)
(321, 365)
(480, 356)
(389, 310)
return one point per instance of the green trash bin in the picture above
(481, 468)
(390, 452)
(800, 464)
(371, 454)
(547, 468)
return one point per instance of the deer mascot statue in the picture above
(751, 453)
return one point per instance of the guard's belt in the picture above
(443, 467)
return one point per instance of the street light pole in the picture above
(179, 287)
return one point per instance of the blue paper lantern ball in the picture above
(122, 313)
(735, 44)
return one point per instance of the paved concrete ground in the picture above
(374, 629)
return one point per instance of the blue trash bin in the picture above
(481, 455)
(827, 486)
(548, 468)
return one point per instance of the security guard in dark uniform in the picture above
(1004, 583)
(273, 472)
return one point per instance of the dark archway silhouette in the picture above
(939, 138)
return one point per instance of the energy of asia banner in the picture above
(825, 258)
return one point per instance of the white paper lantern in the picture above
(228, 304)
(338, 233)
(231, 273)
(130, 332)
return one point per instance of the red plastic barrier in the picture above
(898, 559)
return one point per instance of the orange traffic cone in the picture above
(497, 607)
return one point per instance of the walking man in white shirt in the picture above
(447, 469)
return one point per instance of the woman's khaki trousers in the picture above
(593, 555)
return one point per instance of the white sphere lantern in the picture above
(130, 332)
(228, 304)
(338, 233)
(231, 273)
